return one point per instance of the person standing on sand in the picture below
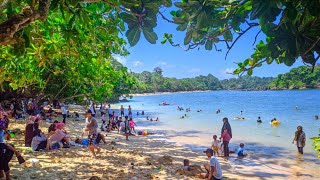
(126, 127)
(64, 112)
(92, 127)
(214, 171)
(300, 139)
(92, 109)
(130, 111)
(121, 111)
(226, 126)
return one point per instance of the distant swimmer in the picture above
(240, 118)
(241, 112)
(259, 120)
(218, 111)
(199, 110)
(142, 113)
(147, 118)
(157, 119)
(316, 117)
(274, 121)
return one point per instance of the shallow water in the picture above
(266, 143)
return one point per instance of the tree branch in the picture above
(163, 17)
(19, 21)
(314, 44)
(255, 38)
(240, 34)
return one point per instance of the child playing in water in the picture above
(240, 152)
(215, 145)
(131, 125)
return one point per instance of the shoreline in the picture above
(115, 161)
(185, 92)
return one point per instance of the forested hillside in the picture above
(298, 78)
(155, 82)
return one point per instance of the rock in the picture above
(33, 176)
(95, 178)
(165, 160)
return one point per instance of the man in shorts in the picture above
(213, 169)
(93, 132)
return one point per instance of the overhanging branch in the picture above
(19, 21)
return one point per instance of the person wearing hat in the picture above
(213, 169)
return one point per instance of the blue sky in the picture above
(178, 63)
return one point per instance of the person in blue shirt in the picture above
(240, 150)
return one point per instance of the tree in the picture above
(292, 27)
(61, 51)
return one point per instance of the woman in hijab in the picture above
(300, 139)
(32, 124)
(226, 132)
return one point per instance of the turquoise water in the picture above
(196, 130)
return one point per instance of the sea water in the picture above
(291, 107)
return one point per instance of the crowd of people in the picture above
(123, 122)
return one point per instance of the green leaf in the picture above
(133, 35)
(182, 27)
(208, 45)
(131, 20)
(71, 21)
(249, 72)
(188, 37)
(201, 20)
(14, 86)
(150, 35)
(167, 3)
(228, 36)
(173, 13)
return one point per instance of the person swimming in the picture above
(259, 120)
(274, 119)
(316, 117)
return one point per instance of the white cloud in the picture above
(229, 71)
(121, 59)
(164, 64)
(226, 74)
(137, 64)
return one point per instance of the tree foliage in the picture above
(291, 27)
(298, 78)
(67, 55)
(148, 82)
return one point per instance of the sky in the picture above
(178, 63)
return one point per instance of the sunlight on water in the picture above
(262, 140)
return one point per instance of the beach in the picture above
(139, 158)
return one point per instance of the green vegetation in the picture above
(148, 82)
(64, 48)
(68, 54)
(298, 78)
(291, 27)
(316, 143)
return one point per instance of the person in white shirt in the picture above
(214, 171)
(64, 112)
